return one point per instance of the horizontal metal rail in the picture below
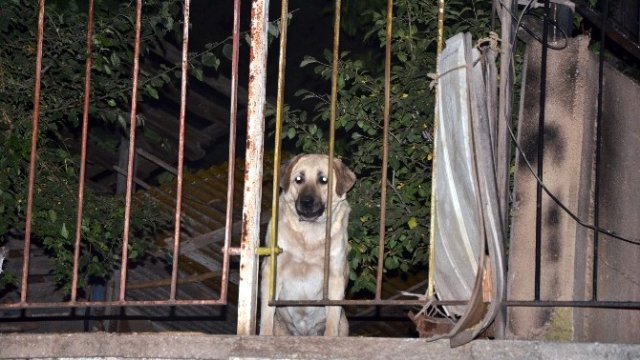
(622, 305)
(82, 304)
(366, 302)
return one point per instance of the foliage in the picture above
(359, 127)
(63, 75)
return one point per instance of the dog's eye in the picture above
(323, 180)
(298, 179)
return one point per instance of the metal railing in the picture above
(227, 250)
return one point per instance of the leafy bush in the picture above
(359, 127)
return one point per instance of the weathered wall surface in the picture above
(618, 262)
(568, 145)
(569, 153)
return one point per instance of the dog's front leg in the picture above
(337, 285)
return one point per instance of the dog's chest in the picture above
(302, 278)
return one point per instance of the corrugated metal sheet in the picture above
(457, 223)
(468, 229)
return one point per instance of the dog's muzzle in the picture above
(309, 208)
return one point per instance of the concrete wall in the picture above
(568, 145)
(618, 262)
(569, 153)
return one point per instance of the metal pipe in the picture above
(332, 137)
(598, 169)
(434, 198)
(83, 151)
(132, 145)
(231, 169)
(78, 304)
(32, 161)
(540, 150)
(628, 305)
(385, 148)
(247, 293)
(367, 302)
(181, 133)
(282, 59)
(503, 142)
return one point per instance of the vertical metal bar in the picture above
(432, 226)
(34, 148)
(540, 159)
(332, 130)
(183, 111)
(282, 60)
(598, 169)
(247, 293)
(132, 152)
(231, 169)
(83, 151)
(503, 143)
(385, 148)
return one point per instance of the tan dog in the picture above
(301, 235)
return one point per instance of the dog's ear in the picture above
(285, 172)
(345, 178)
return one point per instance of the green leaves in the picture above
(210, 60)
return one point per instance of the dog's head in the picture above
(304, 181)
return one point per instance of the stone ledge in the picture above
(200, 346)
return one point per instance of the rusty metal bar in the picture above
(83, 151)
(231, 169)
(234, 251)
(132, 146)
(32, 162)
(367, 302)
(181, 131)
(385, 148)
(434, 198)
(332, 130)
(282, 60)
(628, 305)
(68, 304)
(247, 293)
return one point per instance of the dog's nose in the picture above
(306, 201)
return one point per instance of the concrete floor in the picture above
(199, 346)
